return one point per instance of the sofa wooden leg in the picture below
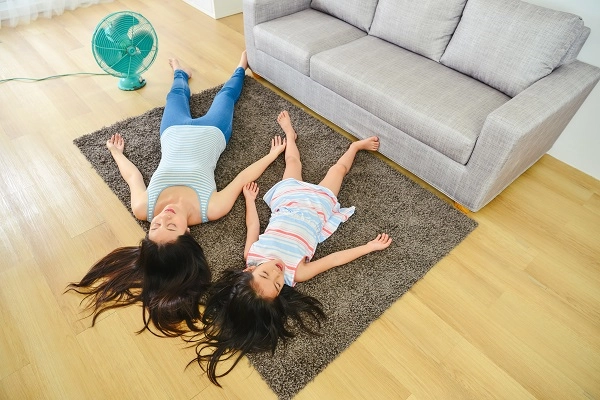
(256, 76)
(462, 208)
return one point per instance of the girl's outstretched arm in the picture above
(252, 221)
(131, 174)
(306, 271)
(221, 202)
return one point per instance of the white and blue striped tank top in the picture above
(189, 157)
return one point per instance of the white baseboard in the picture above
(217, 8)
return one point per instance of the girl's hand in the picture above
(250, 191)
(277, 145)
(381, 242)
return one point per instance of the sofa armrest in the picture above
(522, 130)
(259, 11)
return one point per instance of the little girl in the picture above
(248, 311)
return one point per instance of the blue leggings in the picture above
(220, 113)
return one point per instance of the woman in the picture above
(168, 272)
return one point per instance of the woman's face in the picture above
(168, 225)
(268, 278)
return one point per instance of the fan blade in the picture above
(143, 41)
(106, 48)
(119, 28)
(128, 65)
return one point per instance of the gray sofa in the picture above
(464, 94)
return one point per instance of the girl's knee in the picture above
(292, 159)
(338, 168)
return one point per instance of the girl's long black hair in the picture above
(238, 321)
(168, 279)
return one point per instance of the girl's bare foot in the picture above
(116, 143)
(174, 63)
(284, 120)
(243, 60)
(371, 143)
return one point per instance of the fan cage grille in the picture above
(124, 44)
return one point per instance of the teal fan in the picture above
(125, 45)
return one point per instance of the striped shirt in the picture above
(302, 216)
(189, 157)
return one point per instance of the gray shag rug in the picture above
(424, 228)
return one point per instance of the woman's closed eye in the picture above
(156, 225)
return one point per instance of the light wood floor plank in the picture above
(346, 383)
(556, 340)
(478, 374)
(58, 363)
(56, 186)
(512, 313)
(490, 335)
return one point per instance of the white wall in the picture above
(579, 144)
(216, 8)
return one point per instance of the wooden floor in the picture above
(512, 313)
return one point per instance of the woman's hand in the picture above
(277, 145)
(250, 191)
(116, 142)
(382, 241)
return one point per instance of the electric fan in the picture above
(125, 45)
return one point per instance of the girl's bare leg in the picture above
(337, 172)
(293, 164)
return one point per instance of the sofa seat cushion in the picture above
(510, 44)
(293, 39)
(355, 12)
(424, 27)
(432, 103)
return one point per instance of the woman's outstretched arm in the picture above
(131, 174)
(221, 202)
(306, 271)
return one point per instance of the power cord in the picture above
(49, 77)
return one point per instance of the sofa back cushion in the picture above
(423, 27)
(510, 44)
(573, 52)
(355, 12)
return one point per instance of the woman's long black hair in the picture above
(238, 321)
(168, 279)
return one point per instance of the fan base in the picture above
(132, 83)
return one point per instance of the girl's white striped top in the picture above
(302, 216)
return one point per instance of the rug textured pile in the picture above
(424, 228)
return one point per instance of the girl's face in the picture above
(268, 278)
(168, 225)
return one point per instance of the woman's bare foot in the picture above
(174, 63)
(243, 60)
(116, 143)
(284, 120)
(371, 143)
